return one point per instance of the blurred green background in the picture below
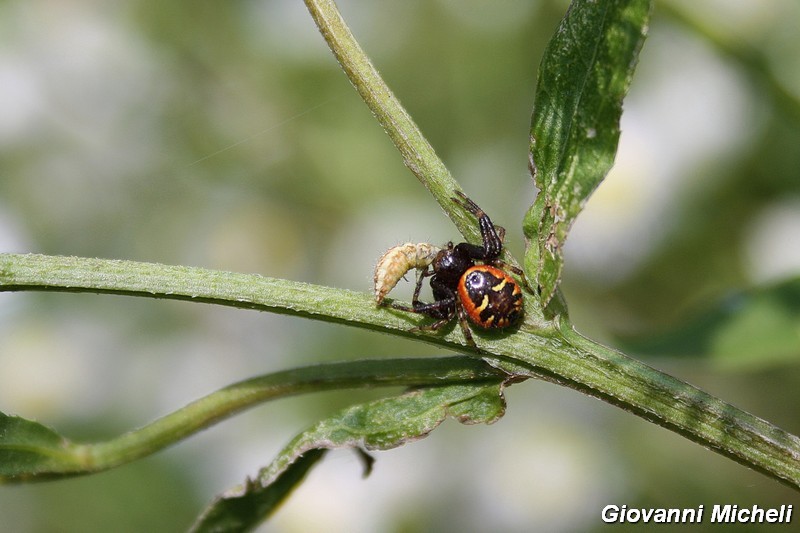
(224, 135)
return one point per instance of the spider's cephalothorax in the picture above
(481, 293)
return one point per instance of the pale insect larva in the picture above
(398, 260)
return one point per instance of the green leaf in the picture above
(584, 75)
(377, 425)
(29, 449)
(749, 329)
(244, 507)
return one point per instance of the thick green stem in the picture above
(246, 291)
(574, 361)
(544, 350)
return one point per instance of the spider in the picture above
(483, 294)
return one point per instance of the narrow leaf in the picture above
(584, 75)
(29, 449)
(243, 508)
(378, 425)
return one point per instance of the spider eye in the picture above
(475, 281)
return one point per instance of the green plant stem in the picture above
(680, 407)
(418, 155)
(245, 291)
(552, 352)
(233, 399)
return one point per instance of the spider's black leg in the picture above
(492, 242)
(466, 202)
(433, 327)
(443, 308)
(518, 271)
(493, 237)
(462, 321)
(505, 266)
(421, 275)
(473, 251)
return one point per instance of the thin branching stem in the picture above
(418, 155)
(235, 398)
